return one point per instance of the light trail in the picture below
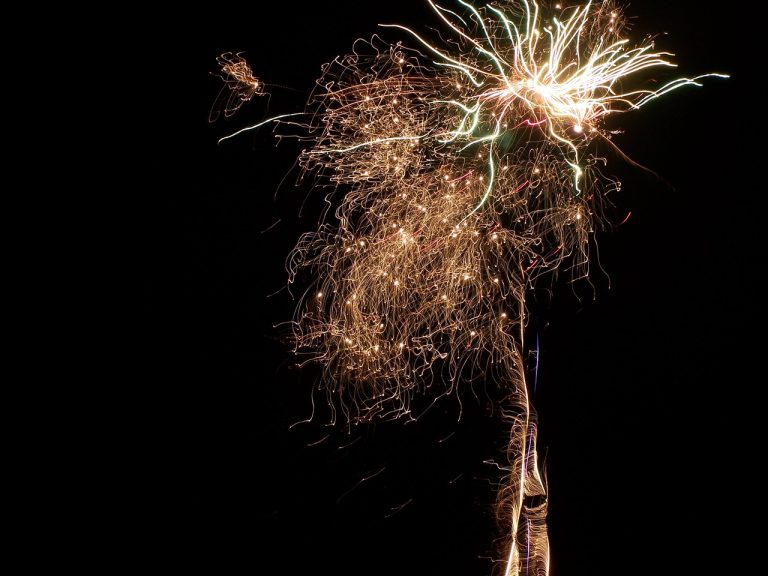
(458, 181)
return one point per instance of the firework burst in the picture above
(460, 173)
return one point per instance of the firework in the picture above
(460, 173)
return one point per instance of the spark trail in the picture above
(240, 85)
(463, 172)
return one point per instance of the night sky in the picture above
(642, 382)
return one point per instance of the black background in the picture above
(644, 374)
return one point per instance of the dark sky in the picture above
(643, 376)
